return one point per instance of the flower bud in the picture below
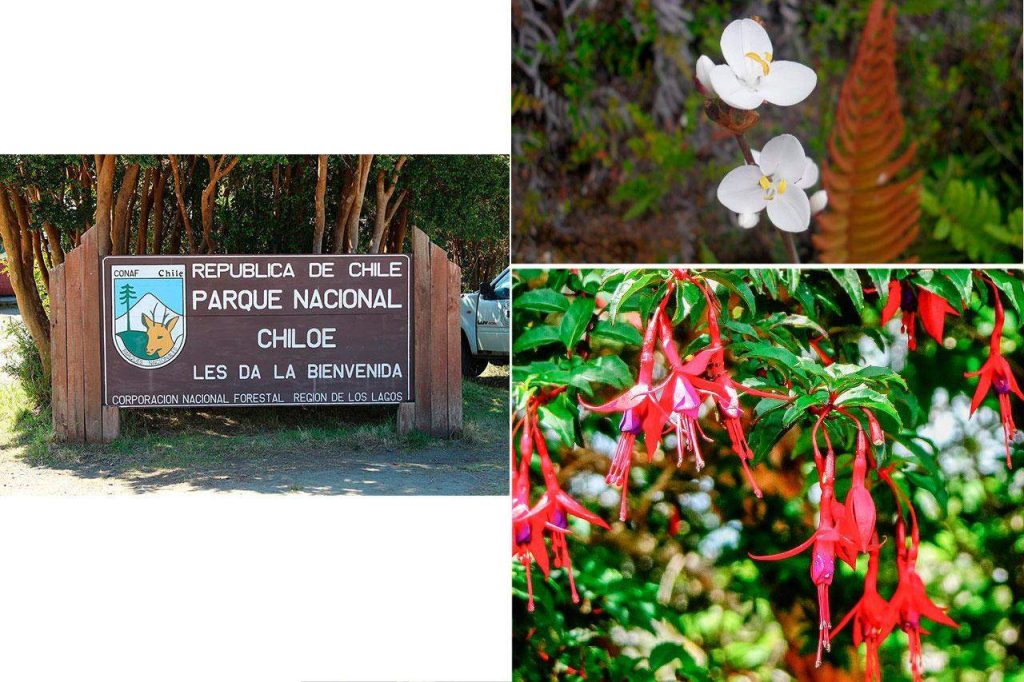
(877, 435)
(748, 220)
(819, 200)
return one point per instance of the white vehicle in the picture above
(486, 316)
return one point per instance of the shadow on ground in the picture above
(306, 450)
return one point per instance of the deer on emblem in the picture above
(159, 341)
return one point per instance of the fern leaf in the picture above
(874, 207)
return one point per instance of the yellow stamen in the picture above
(782, 186)
(763, 61)
(764, 182)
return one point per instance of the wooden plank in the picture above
(58, 355)
(406, 418)
(454, 350)
(421, 329)
(75, 360)
(438, 341)
(91, 327)
(111, 424)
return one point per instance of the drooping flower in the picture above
(558, 506)
(871, 623)
(860, 507)
(527, 524)
(823, 555)
(751, 75)
(996, 373)
(913, 302)
(775, 183)
(910, 602)
(817, 202)
(642, 413)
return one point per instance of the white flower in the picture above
(776, 182)
(749, 76)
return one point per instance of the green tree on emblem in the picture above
(125, 297)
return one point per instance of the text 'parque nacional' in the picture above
(246, 330)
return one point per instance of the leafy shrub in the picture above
(23, 362)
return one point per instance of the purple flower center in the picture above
(559, 519)
(523, 534)
(908, 299)
(630, 422)
(1001, 384)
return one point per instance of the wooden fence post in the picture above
(77, 348)
(437, 409)
(58, 354)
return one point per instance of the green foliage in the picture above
(22, 362)
(971, 221)
(691, 604)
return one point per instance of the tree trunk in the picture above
(53, 242)
(105, 166)
(350, 206)
(320, 220)
(119, 222)
(397, 240)
(182, 213)
(30, 304)
(37, 249)
(148, 188)
(158, 211)
(384, 213)
(218, 170)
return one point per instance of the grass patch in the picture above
(186, 439)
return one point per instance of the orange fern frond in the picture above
(872, 216)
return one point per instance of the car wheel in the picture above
(471, 367)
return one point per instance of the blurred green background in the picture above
(614, 160)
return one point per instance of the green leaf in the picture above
(559, 416)
(799, 406)
(575, 321)
(885, 412)
(734, 282)
(804, 322)
(608, 369)
(880, 278)
(535, 337)
(962, 280)
(542, 300)
(1011, 286)
(625, 290)
(619, 332)
(849, 280)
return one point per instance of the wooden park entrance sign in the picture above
(214, 331)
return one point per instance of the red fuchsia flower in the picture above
(642, 412)
(727, 390)
(871, 623)
(860, 507)
(912, 302)
(823, 555)
(996, 373)
(910, 601)
(527, 523)
(558, 506)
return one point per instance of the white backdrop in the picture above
(200, 587)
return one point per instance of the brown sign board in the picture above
(193, 331)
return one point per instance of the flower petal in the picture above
(809, 177)
(790, 211)
(783, 157)
(732, 90)
(787, 83)
(739, 191)
(740, 38)
(704, 67)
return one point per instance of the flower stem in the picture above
(787, 238)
